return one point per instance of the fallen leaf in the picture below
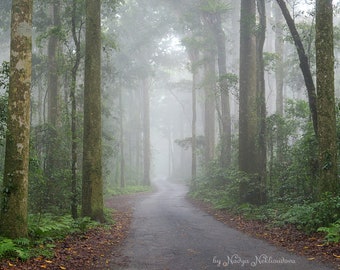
(311, 259)
(336, 256)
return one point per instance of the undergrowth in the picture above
(44, 230)
(127, 190)
(320, 216)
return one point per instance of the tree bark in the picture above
(13, 219)
(74, 144)
(52, 147)
(279, 62)
(327, 136)
(248, 120)
(261, 100)
(92, 197)
(209, 104)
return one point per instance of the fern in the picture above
(11, 249)
(332, 232)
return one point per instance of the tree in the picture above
(53, 83)
(74, 72)
(146, 131)
(13, 219)
(261, 99)
(248, 121)
(327, 136)
(92, 189)
(279, 43)
(304, 64)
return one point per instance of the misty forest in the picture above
(130, 129)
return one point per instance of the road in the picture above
(168, 233)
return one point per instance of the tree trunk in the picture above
(92, 197)
(304, 64)
(248, 120)
(261, 100)
(52, 156)
(53, 80)
(326, 101)
(279, 62)
(13, 219)
(193, 56)
(225, 136)
(146, 133)
(74, 144)
(121, 138)
(209, 104)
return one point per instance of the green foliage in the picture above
(48, 226)
(18, 248)
(310, 216)
(43, 231)
(270, 61)
(219, 186)
(332, 232)
(130, 189)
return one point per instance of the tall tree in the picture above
(304, 63)
(225, 136)
(248, 120)
(13, 219)
(53, 113)
(73, 88)
(325, 95)
(261, 100)
(279, 44)
(209, 102)
(146, 131)
(92, 190)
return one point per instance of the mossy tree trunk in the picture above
(327, 137)
(248, 119)
(53, 114)
(13, 219)
(92, 189)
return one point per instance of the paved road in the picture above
(169, 233)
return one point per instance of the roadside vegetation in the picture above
(291, 191)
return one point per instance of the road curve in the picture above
(168, 233)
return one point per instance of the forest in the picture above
(239, 100)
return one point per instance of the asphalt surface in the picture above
(167, 232)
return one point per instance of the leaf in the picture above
(10, 264)
(48, 261)
(62, 267)
(311, 259)
(336, 256)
